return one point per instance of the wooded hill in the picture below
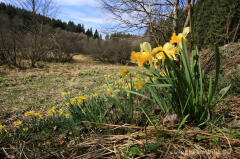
(14, 13)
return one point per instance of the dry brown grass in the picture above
(43, 90)
(82, 58)
(185, 145)
(40, 88)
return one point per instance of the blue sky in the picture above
(87, 12)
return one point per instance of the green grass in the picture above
(41, 88)
(118, 134)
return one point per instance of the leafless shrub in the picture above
(112, 51)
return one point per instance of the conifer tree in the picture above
(96, 35)
(89, 33)
(215, 22)
(71, 26)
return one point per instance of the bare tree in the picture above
(139, 14)
(189, 9)
(35, 31)
(175, 15)
(44, 7)
(135, 13)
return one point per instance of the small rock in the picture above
(22, 98)
(234, 124)
(170, 119)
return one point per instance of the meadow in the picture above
(89, 109)
(160, 81)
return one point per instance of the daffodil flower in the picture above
(2, 127)
(16, 123)
(170, 50)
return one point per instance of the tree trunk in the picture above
(189, 7)
(175, 15)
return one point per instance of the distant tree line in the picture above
(27, 37)
(210, 21)
(26, 17)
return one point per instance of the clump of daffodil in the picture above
(95, 95)
(77, 100)
(82, 97)
(117, 91)
(140, 85)
(67, 115)
(51, 111)
(124, 71)
(153, 57)
(38, 115)
(17, 123)
(64, 94)
(60, 112)
(25, 129)
(2, 127)
(29, 113)
(33, 114)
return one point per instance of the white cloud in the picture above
(78, 2)
(92, 20)
(80, 16)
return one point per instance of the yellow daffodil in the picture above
(2, 127)
(117, 90)
(128, 95)
(124, 71)
(64, 94)
(25, 129)
(175, 39)
(95, 95)
(143, 56)
(178, 38)
(51, 111)
(140, 85)
(163, 73)
(170, 50)
(38, 115)
(17, 123)
(82, 97)
(157, 50)
(61, 112)
(108, 91)
(79, 101)
(29, 113)
(67, 115)
(145, 47)
(184, 33)
(73, 101)
(161, 56)
(133, 57)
